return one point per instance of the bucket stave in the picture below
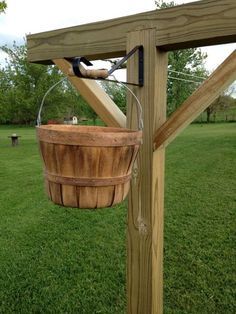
(86, 166)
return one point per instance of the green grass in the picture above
(62, 260)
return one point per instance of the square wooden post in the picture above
(146, 198)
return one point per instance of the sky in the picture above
(27, 17)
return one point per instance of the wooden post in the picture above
(146, 199)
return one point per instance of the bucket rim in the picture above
(88, 135)
(85, 128)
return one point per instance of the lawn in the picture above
(63, 260)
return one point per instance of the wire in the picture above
(181, 79)
(44, 97)
(139, 106)
(174, 71)
(187, 74)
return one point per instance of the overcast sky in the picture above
(27, 16)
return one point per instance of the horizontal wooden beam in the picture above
(220, 79)
(202, 23)
(97, 98)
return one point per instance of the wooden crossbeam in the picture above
(196, 24)
(97, 98)
(220, 79)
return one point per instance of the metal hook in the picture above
(140, 63)
(79, 71)
(76, 65)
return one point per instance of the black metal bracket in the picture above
(76, 62)
(140, 64)
(75, 65)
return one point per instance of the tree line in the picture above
(3, 6)
(23, 85)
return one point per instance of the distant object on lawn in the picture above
(14, 139)
(71, 120)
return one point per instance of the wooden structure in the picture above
(201, 23)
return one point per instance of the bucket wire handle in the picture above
(44, 97)
(138, 104)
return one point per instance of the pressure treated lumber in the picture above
(220, 79)
(97, 98)
(146, 197)
(200, 23)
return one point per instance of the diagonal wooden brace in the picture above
(97, 98)
(219, 80)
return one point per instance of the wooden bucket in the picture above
(87, 166)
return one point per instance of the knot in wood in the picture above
(142, 227)
(134, 173)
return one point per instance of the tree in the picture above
(3, 6)
(23, 85)
(181, 86)
(186, 70)
(26, 85)
(222, 103)
(117, 93)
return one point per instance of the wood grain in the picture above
(97, 98)
(200, 23)
(209, 90)
(88, 135)
(146, 197)
(90, 176)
